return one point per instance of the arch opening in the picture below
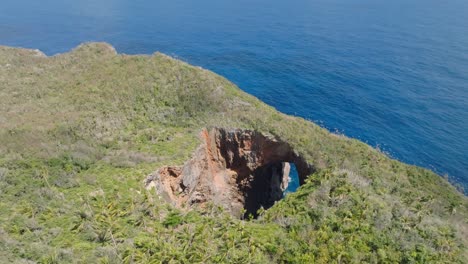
(270, 183)
(293, 182)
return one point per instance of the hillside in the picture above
(80, 132)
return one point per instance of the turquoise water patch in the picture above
(293, 180)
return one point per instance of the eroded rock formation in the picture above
(237, 169)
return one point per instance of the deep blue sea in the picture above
(391, 73)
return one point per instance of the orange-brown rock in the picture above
(237, 169)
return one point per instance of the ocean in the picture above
(393, 74)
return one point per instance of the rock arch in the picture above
(241, 170)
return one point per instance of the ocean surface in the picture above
(391, 73)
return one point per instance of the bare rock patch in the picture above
(241, 170)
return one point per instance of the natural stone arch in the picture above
(237, 169)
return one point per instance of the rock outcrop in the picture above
(241, 170)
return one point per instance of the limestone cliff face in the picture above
(237, 169)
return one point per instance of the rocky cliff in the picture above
(241, 170)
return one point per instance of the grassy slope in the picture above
(80, 131)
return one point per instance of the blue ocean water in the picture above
(391, 73)
(293, 180)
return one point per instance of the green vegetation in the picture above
(80, 131)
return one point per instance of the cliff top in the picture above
(80, 131)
